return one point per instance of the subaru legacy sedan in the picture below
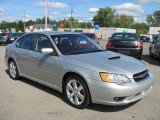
(79, 68)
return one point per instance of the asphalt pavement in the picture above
(28, 100)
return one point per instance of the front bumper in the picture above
(106, 93)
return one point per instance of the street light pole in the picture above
(71, 12)
(46, 16)
(24, 20)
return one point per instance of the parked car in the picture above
(14, 36)
(154, 49)
(79, 68)
(125, 43)
(4, 37)
(92, 36)
(144, 38)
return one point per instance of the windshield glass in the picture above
(126, 36)
(69, 44)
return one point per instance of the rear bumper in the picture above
(134, 52)
(3, 41)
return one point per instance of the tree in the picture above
(107, 17)
(154, 19)
(142, 28)
(123, 21)
(21, 26)
(104, 17)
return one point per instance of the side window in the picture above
(25, 42)
(158, 39)
(44, 42)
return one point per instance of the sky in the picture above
(83, 10)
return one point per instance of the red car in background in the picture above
(92, 36)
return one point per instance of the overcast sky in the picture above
(84, 10)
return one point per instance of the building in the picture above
(38, 28)
(105, 32)
(153, 33)
(154, 30)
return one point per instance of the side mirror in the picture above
(46, 51)
(109, 38)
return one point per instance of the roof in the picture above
(54, 33)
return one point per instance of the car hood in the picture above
(107, 61)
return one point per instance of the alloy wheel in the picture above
(75, 92)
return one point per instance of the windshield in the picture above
(69, 44)
(126, 36)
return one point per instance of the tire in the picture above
(13, 70)
(139, 57)
(150, 53)
(76, 92)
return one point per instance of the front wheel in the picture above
(76, 92)
(13, 70)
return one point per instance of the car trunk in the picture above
(125, 43)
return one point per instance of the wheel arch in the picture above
(66, 75)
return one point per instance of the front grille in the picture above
(140, 76)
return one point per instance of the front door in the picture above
(45, 67)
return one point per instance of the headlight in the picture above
(114, 78)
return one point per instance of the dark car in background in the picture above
(92, 36)
(4, 38)
(144, 38)
(154, 49)
(126, 43)
(14, 36)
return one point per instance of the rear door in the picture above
(157, 46)
(22, 53)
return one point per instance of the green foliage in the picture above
(19, 24)
(153, 20)
(104, 17)
(142, 28)
(107, 17)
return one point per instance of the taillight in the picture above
(109, 44)
(140, 44)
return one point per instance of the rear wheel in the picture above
(76, 92)
(150, 52)
(13, 70)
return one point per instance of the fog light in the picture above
(119, 98)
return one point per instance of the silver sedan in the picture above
(79, 68)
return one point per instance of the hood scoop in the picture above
(114, 58)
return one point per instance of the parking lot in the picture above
(27, 100)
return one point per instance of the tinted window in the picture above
(158, 38)
(125, 36)
(70, 44)
(43, 42)
(3, 34)
(25, 42)
(90, 35)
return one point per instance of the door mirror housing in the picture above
(46, 51)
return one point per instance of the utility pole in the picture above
(24, 20)
(71, 17)
(46, 16)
